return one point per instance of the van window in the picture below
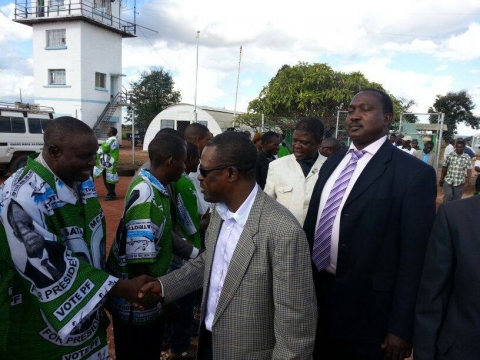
(37, 126)
(9, 124)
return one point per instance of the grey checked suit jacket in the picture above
(267, 308)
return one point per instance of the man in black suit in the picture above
(447, 321)
(367, 240)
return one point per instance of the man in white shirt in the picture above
(407, 147)
(258, 300)
(291, 179)
(368, 242)
(449, 148)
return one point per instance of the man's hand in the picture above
(129, 290)
(440, 182)
(153, 286)
(467, 183)
(396, 348)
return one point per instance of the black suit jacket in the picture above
(56, 256)
(384, 229)
(261, 169)
(447, 324)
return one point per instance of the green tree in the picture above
(152, 93)
(457, 107)
(312, 90)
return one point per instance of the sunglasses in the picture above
(204, 172)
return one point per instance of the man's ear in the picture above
(54, 152)
(388, 119)
(232, 174)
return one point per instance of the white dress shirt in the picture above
(370, 150)
(232, 227)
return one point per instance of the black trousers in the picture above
(138, 342)
(110, 187)
(205, 348)
(336, 349)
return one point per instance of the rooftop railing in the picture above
(97, 10)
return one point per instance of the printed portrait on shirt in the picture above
(43, 260)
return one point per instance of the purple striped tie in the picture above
(323, 235)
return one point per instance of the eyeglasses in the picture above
(205, 172)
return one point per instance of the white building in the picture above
(179, 116)
(77, 51)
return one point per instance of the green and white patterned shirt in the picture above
(456, 166)
(51, 299)
(144, 236)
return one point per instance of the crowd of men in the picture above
(324, 253)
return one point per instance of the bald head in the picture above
(196, 130)
(64, 129)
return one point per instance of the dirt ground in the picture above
(113, 209)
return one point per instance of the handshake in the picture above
(142, 292)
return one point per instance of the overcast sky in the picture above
(415, 49)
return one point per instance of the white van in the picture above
(21, 133)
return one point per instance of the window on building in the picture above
(167, 124)
(100, 80)
(56, 77)
(56, 38)
(103, 6)
(56, 3)
(37, 126)
(10, 124)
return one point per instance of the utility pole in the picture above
(236, 92)
(196, 80)
(133, 135)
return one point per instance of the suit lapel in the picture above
(325, 171)
(215, 226)
(241, 256)
(316, 166)
(374, 169)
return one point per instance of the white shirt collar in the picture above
(373, 147)
(241, 215)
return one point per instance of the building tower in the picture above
(77, 51)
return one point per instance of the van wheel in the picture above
(18, 162)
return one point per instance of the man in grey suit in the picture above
(258, 300)
(426, 155)
(447, 323)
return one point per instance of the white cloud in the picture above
(463, 47)
(416, 46)
(11, 31)
(369, 36)
(11, 84)
(410, 85)
(247, 82)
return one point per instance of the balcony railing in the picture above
(100, 11)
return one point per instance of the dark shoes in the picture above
(110, 197)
